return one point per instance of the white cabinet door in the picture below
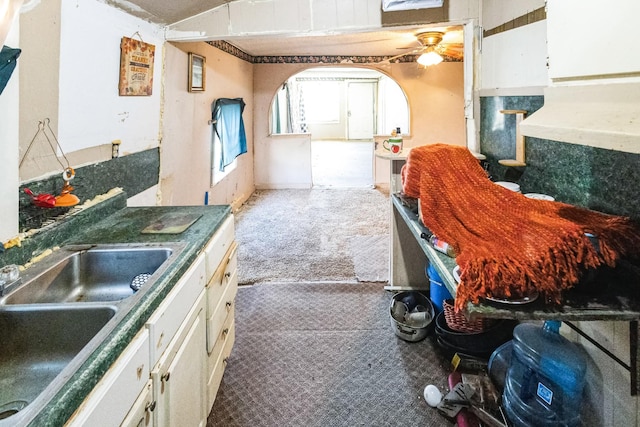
(141, 413)
(168, 317)
(112, 398)
(179, 383)
(591, 38)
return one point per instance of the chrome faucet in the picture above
(9, 278)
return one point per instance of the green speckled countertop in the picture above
(124, 226)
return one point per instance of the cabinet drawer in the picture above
(219, 340)
(218, 246)
(225, 276)
(140, 414)
(114, 395)
(219, 365)
(166, 320)
(223, 307)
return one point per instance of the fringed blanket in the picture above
(508, 245)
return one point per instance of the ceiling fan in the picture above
(433, 46)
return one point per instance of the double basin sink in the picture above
(60, 311)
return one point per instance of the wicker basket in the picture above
(456, 321)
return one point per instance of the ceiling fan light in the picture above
(429, 58)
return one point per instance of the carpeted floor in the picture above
(324, 354)
(314, 341)
(313, 235)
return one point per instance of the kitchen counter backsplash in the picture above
(133, 173)
(596, 178)
(62, 230)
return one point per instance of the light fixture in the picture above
(430, 57)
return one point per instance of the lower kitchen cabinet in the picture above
(170, 373)
(222, 288)
(179, 385)
(218, 357)
(141, 413)
(111, 400)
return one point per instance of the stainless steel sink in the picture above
(60, 312)
(37, 342)
(99, 273)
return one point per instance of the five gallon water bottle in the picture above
(545, 381)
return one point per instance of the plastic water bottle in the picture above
(545, 382)
(442, 246)
(438, 244)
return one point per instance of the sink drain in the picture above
(11, 408)
(138, 281)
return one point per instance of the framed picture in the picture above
(196, 72)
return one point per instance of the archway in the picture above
(342, 109)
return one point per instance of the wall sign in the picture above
(136, 67)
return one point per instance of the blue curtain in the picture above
(226, 115)
(8, 59)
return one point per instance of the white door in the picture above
(361, 110)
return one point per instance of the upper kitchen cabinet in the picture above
(591, 38)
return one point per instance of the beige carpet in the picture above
(314, 341)
(313, 235)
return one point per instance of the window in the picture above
(326, 108)
(228, 139)
(218, 175)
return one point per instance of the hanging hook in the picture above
(138, 34)
(41, 128)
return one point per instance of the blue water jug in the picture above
(546, 378)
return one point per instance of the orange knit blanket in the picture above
(508, 245)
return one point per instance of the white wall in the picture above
(515, 59)
(73, 81)
(9, 125)
(90, 110)
(185, 155)
(68, 72)
(283, 161)
(497, 12)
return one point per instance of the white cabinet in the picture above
(221, 294)
(222, 286)
(217, 359)
(179, 385)
(165, 321)
(112, 398)
(590, 38)
(141, 413)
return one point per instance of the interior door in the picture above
(361, 110)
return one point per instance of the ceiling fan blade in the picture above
(451, 52)
(411, 52)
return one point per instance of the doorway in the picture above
(361, 109)
(342, 164)
(342, 109)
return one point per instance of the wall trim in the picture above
(539, 14)
(513, 91)
(312, 59)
